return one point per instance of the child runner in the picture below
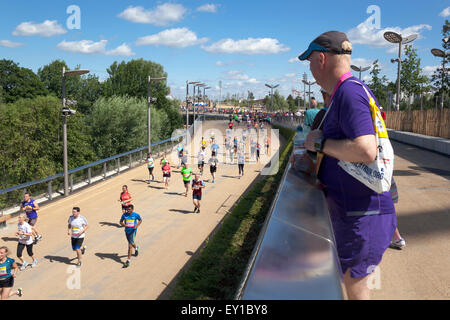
(125, 198)
(8, 271)
(186, 173)
(131, 221)
(166, 174)
(180, 155)
(151, 166)
(197, 186)
(25, 234)
(258, 150)
(76, 229)
(241, 161)
(163, 161)
(30, 207)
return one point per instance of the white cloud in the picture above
(94, 48)
(123, 51)
(10, 44)
(249, 46)
(208, 8)
(160, 16)
(46, 29)
(364, 33)
(445, 13)
(229, 63)
(361, 62)
(429, 70)
(174, 38)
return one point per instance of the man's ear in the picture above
(322, 59)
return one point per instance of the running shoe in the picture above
(20, 292)
(83, 250)
(198, 211)
(79, 264)
(136, 252)
(213, 181)
(25, 264)
(126, 264)
(39, 238)
(195, 209)
(34, 263)
(398, 244)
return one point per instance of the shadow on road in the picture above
(113, 256)
(174, 193)
(405, 173)
(110, 224)
(159, 188)
(10, 239)
(181, 211)
(64, 260)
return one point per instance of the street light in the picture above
(309, 84)
(66, 112)
(393, 37)
(198, 85)
(271, 94)
(204, 93)
(149, 114)
(360, 69)
(187, 103)
(440, 53)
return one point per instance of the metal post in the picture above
(397, 99)
(50, 191)
(149, 99)
(140, 156)
(118, 165)
(442, 83)
(129, 158)
(187, 107)
(104, 170)
(89, 175)
(71, 182)
(65, 164)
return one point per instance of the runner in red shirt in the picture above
(197, 186)
(125, 198)
(166, 174)
(230, 125)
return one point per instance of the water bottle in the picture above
(300, 162)
(299, 142)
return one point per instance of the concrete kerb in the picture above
(436, 144)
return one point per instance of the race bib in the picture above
(129, 223)
(76, 231)
(3, 271)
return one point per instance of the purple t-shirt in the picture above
(349, 117)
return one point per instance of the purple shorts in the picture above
(32, 222)
(361, 240)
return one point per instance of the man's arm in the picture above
(361, 149)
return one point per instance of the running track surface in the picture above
(168, 237)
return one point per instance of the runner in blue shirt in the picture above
(30, 206)
(131, 221)
(8, 270)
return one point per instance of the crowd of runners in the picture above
(240, 146)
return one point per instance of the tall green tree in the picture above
(441, 77)
(18, 82)
(378, 84)
(412, 80)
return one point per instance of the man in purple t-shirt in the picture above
(363, 220)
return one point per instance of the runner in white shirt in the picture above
(201, 161)
(25, 234)
(151, 166)
(77, 226)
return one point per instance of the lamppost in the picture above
(440, 53)
(359, 69)
(271, 94)
(149, 114)
(204, 93)
(309, 84)
(187, 102)
(393, 37)
(66, 112)
(198, 85)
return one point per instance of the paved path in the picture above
(422, 269)
(169, 235)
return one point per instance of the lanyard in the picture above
(344, 77)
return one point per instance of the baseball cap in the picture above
(331, 41)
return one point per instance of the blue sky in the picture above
(244, 44)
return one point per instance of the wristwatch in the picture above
(319, 144)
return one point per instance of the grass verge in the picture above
(217, 271)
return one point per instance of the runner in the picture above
(166, 174)
(197, 186)
(30, 207)
(212, 137)
(184, 158)
(241, 162)
(76, 229)
(180, 155)
(258, 150)
(129, 220)
(151, 166)
(125, 198)
(230, 125)
(163, 161)
(215, 149)
(201, 161)
(235, 144)
(8, 271)
(25, 234)
(213, 161)
(203, 143)
(267, 143)
(186, 173)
